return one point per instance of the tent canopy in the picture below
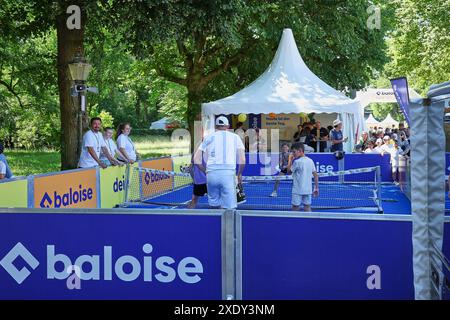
(287, 86)
(389, 121)
(371, 121)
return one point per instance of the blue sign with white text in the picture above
(110, 256)
(306, 258)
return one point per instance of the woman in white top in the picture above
(124, 143)
(111, 146)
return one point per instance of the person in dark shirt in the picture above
(337, 137)
(298, 133)
(320, 134)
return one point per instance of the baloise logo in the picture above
(8, 262)
(151, 177)
(102, 266)
(67, 199)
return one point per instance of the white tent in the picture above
(371, 121)
(389, 122)
(161, 124)
(288, 86)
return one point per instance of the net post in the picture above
(127, 181)
(378, 185)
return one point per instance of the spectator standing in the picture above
(93, 145)
(124, 143)
(111, 146)
(320, 134)
(337, 137)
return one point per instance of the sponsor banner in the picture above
(112, 186)
(326, 259)
(400, 89)
(14, 194)
(266, 164)
(153, 182)
(286, 123)
(110, 256)
(66, 190)
(447, 163)
(254, 121)
(358, 160)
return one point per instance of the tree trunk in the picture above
(193, 110)
(69, 42)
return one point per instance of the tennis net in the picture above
(355, 188)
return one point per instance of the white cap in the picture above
(379, 140)
(336, 122)
(386, 138)
(222, 121)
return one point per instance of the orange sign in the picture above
(66, 190)
(155, 182)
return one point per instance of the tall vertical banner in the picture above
(254, 120)
(400, 87)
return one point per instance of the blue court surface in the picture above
(333, 197)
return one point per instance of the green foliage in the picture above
(173, 103)
(419, 45)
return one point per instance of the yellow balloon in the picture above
(242, 117)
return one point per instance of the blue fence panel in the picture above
(358, 160)
(128, 256)
(304, 258)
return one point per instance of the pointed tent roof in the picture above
(287, 86)
(372, 121)
(389, 121)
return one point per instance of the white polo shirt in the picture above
(112, 148)
(94, 140)
(123, 141)
(221, 150)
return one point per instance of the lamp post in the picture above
(79, 70)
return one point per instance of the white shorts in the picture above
(298, 199)
(222, 188)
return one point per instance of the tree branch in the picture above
(170, 76)
(11, 89)
(228, 63)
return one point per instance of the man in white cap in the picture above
(337, 136)
(222, 150)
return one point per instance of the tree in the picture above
(205, 45)
(419, 45)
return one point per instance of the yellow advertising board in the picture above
(14, 194)
(66, 190)
(112, 186)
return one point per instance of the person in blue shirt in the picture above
(199, 178)
(337, 136)
(8, 174)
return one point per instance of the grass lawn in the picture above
(28, 162)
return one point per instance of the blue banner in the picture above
(254, 120)
(110, 256)
(447, 163)
(306, 258)
(359, 160)
(258, 164)
(400, 87)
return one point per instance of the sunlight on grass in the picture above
(30, 162)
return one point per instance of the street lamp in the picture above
(79, 70)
